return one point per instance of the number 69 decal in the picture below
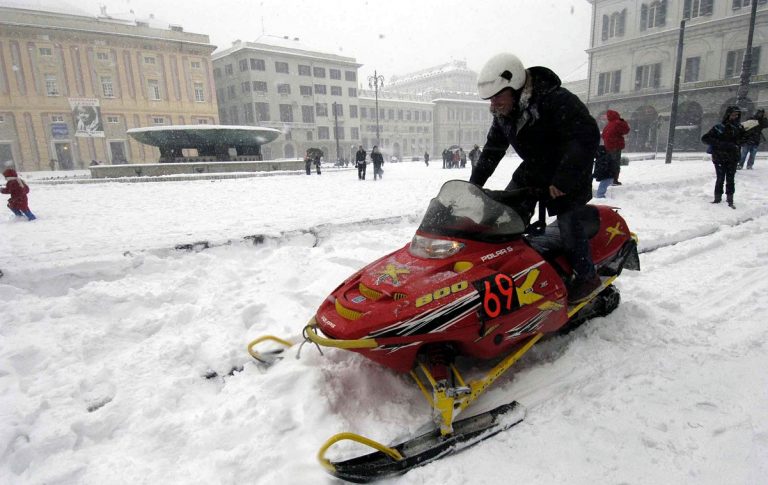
(498, 295)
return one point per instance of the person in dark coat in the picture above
(603, 171)
(446, 158)
(18, 190)
(556, 137)
(308, 163)
(426, 158)
(724, 139)
(474, 155)
(378, 161)
(360, 162)
(318, 160)
(613, 139)
(754, 127)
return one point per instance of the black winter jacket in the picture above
(555, 136)
(755, 135)
(724, 139)
(360, 156)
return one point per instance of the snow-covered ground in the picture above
(106, 332)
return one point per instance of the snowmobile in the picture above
(475, 282)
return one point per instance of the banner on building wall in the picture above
(87, 115)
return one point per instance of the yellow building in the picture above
(71, 85)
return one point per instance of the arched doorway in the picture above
(643, 130)
(688, 126)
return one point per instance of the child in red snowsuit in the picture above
(15, 186)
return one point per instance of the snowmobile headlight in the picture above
(427, 247)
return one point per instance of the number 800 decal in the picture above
(498, 295)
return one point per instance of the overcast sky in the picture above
(391, 36)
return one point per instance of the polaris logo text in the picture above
(498, 253)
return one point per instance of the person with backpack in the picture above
(18, 190)
(754, 127)
(724, 140)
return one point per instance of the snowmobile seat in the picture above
(550, 245)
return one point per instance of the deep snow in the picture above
(106, 332)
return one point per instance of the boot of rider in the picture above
(730, 201)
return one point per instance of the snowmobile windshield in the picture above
(464, 210)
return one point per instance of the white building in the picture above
(632, 65)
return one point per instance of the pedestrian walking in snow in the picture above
(18, 190)
(724, 139)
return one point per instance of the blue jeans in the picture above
(602, 187)
(748, 150)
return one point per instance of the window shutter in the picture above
(622, 22)
(606, 21)
(643, 17)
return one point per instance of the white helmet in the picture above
(501, 71)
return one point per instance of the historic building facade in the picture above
(72, 84)
(633, 56)
(276, 82)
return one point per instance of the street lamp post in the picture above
(336, 130)
(374, 82)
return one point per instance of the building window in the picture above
(320, 89)
(737, 4)
(338, 132)
(307, 114)
(284, 89)
(364, 112)
(334, 73)
(353, 111)
(304, 70)
(217, 72)
(199, 92)
(106, 87)
(245, 87)
(350, 75)
(243, 63)
(318, 71)
(338, 109)
(335, 90)
(696, 8)
(57, 118)
(608, 82)
(355, 134)
(149, 60)
(613, 25)
(102, 56)
(158, 120)
(735, 59)
(113, 119)
(309, 135)
(260, 86)
(231, 92)
(248, 110)
(262, 111)
(305, 90)
(281, 67)
(323, 133)
(653, 14)
(153, 88)
(45, 51)
(286, 112)
(648, 76)
(51, 85)
(234, 117)
(202, 121)
(228, 69)
(196, 65)
(352, 92)
(321, 109)
(257, 64)
(691, 69)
